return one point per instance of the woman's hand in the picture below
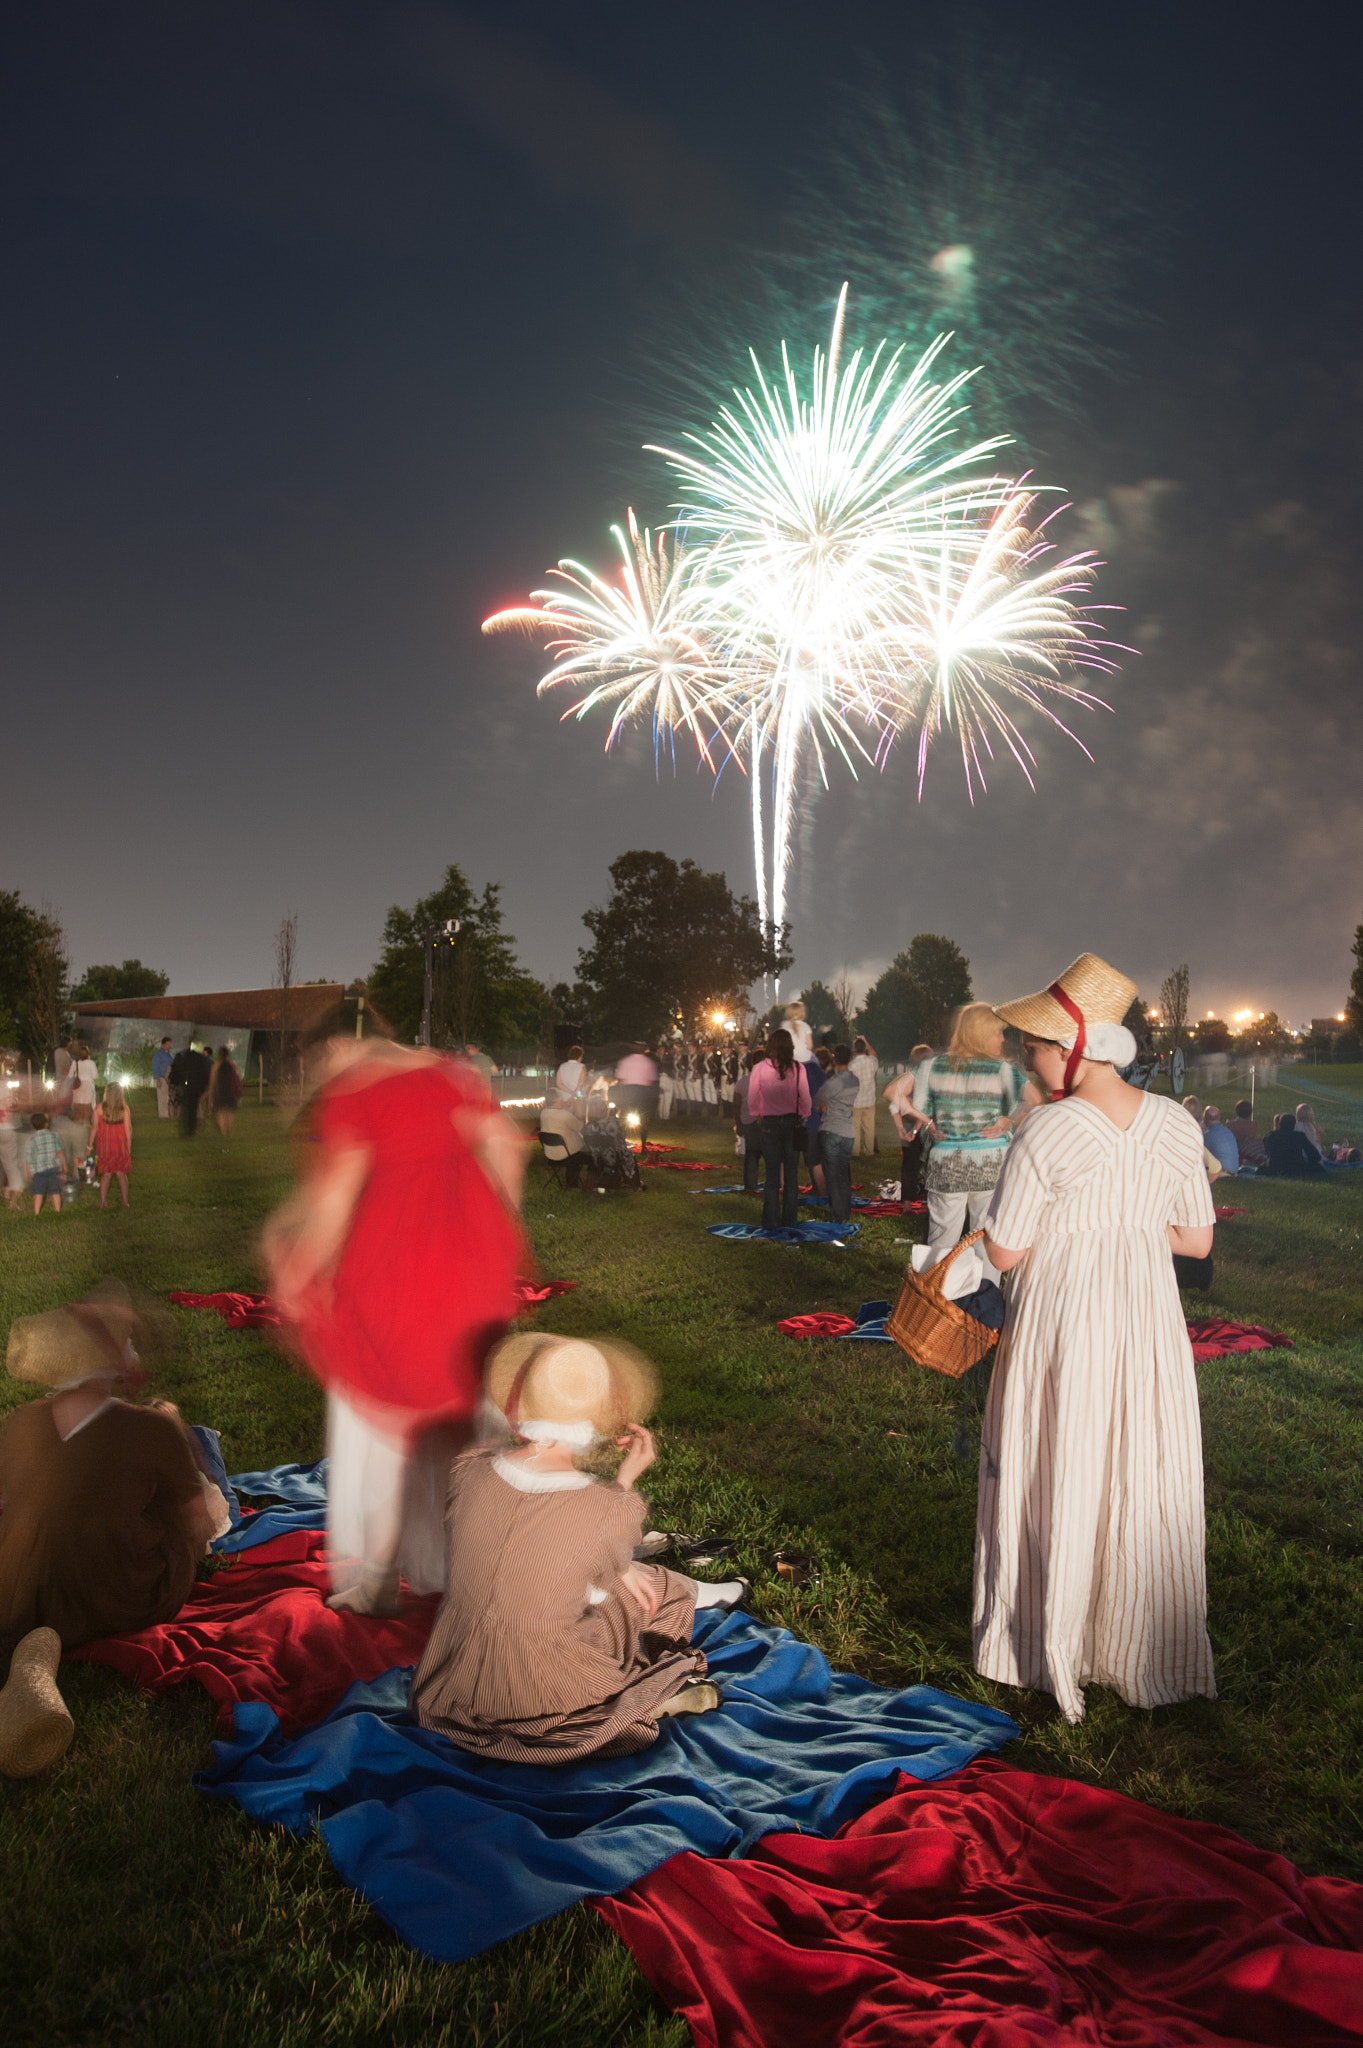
(638, 1447)
(640, 1581)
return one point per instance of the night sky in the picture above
(326, 331)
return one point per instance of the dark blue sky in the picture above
(321, 339)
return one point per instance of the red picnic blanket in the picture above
(1214, 1337)
(258, 1312)
(1222, 1214)
(1211, 1336)
(1005, 1910)
(261, 1630)
(238, 1311)
(680, 1166)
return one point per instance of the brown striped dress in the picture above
(1090, 1536)
(538, 1655)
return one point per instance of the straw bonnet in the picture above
(1083, 1011)
(87, 1338)
(561, 1390)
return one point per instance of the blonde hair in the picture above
(113, 1104)
(972, 1034)
(1193, 1105)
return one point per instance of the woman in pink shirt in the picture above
(778, 1098)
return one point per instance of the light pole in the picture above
(438, 935)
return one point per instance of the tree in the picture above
(1354, 1006)
(111, 984)
(1211, 1034)
(480, 994)
(33, 975)
(892, 1015)
(1173, 1005)
(671, 944)
(942, 974)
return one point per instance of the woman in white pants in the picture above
(968, 1100)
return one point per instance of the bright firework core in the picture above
(837, 573)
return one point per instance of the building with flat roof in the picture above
(124, 1033)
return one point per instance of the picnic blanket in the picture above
(680, 1166)
(238, 1311)
(868, 1323)
(1214, 1337)
(1223, 1214)
(301, 1488)
(258, 1312)
(1006, 1910)
(788, 1233)
(456, 1852)
(261, 1630)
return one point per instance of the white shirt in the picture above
(801, 1037)
(87, 1074)
(569, 1079)
(864, 1066)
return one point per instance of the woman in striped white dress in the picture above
(1090, 1538)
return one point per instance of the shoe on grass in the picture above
(35, 1727)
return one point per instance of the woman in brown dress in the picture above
(552, 1644)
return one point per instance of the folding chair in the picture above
(555, 1154)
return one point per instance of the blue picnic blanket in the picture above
(456, 1852)
(788, 1233)
(871, 1323)
(302, 1488)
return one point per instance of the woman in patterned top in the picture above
(967, 1101)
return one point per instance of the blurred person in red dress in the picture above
(395, 1261)
(112, 1140)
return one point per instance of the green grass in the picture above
(135, 1909)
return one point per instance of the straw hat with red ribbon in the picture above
(562, 1390)
(1082, 1010)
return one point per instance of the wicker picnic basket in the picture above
(931, 1329)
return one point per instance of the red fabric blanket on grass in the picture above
(1001, 1910)
(1222, 1215)
(680, 1166)
(261, 1630)
(1213, 1337)
(258, 1312)
(238, 1311)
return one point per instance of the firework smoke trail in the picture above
(808, 505)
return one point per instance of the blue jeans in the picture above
(780, 1202)
(837, 1173)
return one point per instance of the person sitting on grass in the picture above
(43, 1162)
(552, 1644)
(1309, 1128)
(1219, 1141)
(1246, 1135)
(1290, 1156)
(104, 1512)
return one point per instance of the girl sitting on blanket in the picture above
(552, 1644)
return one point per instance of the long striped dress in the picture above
(1090, 1536)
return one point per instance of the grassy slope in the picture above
(136, 1909)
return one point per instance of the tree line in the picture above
(671, 949)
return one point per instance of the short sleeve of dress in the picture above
(1193, 1206)
(1024, 1189)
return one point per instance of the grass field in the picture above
(134, 1909)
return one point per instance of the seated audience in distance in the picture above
(1246, 1134)
(1218, 1140)
(1290, 1157)
(105, 1511)
(1309, 1128)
